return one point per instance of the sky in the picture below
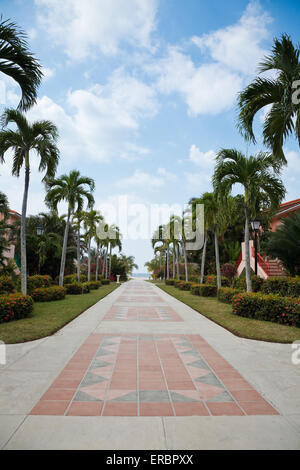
(143, 93)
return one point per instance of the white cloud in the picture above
(239, 46)
(140, 179)
(84, 28)
(166, 174)
(48, 73)
(103, 121)
(204, 159)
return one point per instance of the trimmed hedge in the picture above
(34, 282)
(94, 284)
(47, 294)
(169, 282)
(205, 290)
(240, 283)
(270, 307)
(74, 288)
(105, 281)
(6, 285)
(184, 285)
(177, 283)
(226, 294)
(284, 286)
(15, 307)
(212, 279)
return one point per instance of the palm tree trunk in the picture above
(177, 261)
(217, 258)
(109, 269)
(89, 259)
(23, 229)
(106, 263)
(78, 255)
(97, 263)
(185, 262)
(168, 267)
(247, 252)
(64, 251)
(203, 259)
(103, 263)
(173, 275)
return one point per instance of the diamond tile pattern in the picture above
(145, 375)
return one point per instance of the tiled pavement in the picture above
(140, 370)
(149, 375)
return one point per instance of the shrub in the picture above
(228, 270)
(270, 307)
(184, 285)
(15, 307)
(212, 279)
(85, 287)
(226, 294)
(74, 289)
(6, 285)
(105, 281)
(177, 283)
(240, 283)
(93, 285)
(284, 286)
(34, 282)
(195, 289)
(194, 279)
(47, 294)
(169, 282)
(208, 290)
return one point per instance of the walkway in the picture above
(140, 370)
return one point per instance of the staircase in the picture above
(275, 267)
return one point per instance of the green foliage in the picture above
(93, 285)
(183, 285)
(34, 282)
(74, 289)
(47, 294)
(283, 286)
(85, 287)
(105, 281)
(269, 307)
(205, 290)
(212, 279)
(240, 283)
(15, 306)
(226, 294)
(284, 244)
(6, 285)
(169, 282)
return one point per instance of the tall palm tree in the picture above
(283, 119)
(256, 174)
(77, 221)
(3, 228)
(40, 136)
(17, 62)
(74, 189)
(114, 242)
(90, 221)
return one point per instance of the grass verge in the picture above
(49, 317)
(222, 314)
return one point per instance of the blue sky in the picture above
(144, 92)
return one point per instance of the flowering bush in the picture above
(284, 286)
(228, 270)
(6, 285)
(268, 307)
(225, 294)
(183, 285)
(47, 294)
(212, 279)
(15, 306)
(205, 290)
(34, 282)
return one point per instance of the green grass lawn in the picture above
(48, 317)
(222, 314)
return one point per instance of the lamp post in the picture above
(255, 224)
(39, 230)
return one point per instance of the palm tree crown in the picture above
(283, 119)
(18, 63)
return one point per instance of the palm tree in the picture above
(284, 244)
(77, 221)
(3, 228)
(17, 62)
(47, 242)
(40, 136)
(114, 242)
(257, 176)
(90, 221)
(129, 263)
(283, 119)
(73, 189)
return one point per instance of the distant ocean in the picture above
(147, 275)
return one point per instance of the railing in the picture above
(238, 261)
(261, 262)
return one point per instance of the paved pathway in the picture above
(141, 370)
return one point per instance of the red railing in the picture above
(238, 261)
(261, 262)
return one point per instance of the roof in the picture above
(287, 207)
(14, 213)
